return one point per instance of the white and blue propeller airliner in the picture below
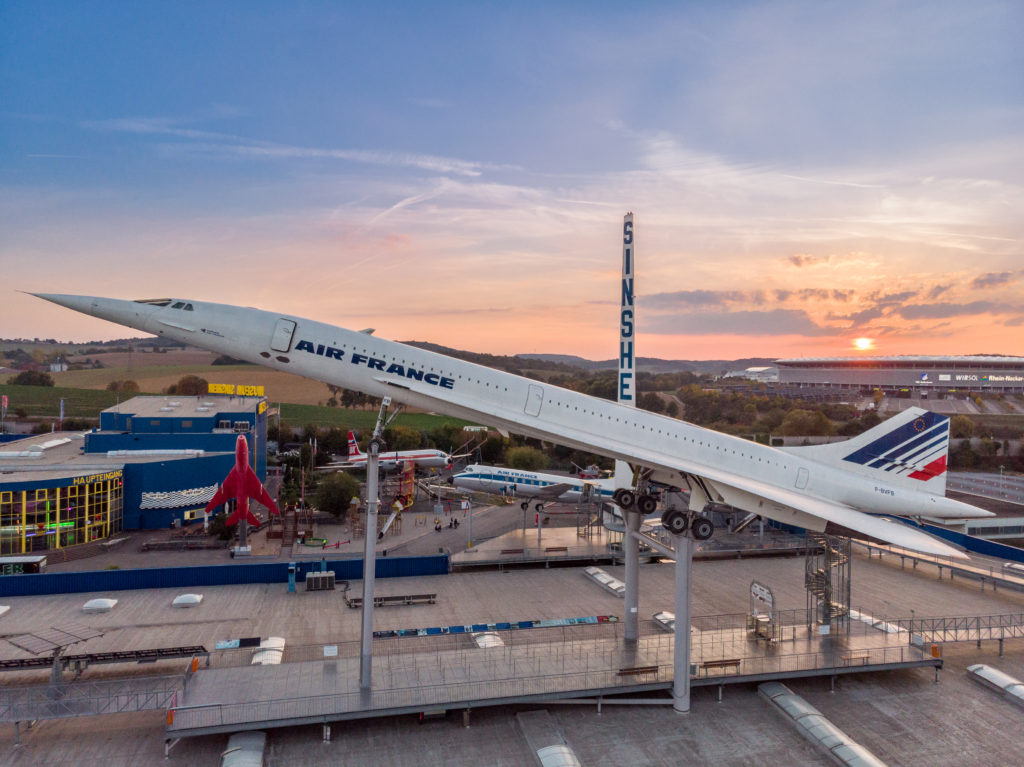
(896, 468)
(532, 485)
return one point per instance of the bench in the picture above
(856, 658)
(398, 599)
(563, 549)
(511, 551)
(637, 671)
(722, 663)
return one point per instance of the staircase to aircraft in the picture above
(288, 528)
(827, 577)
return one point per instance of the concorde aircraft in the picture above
(897, 468)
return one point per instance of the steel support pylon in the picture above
(681, 647)
(631, 548)
(369, 567)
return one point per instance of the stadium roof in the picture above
(983, 359)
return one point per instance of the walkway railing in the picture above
(521, 677)
(22, 704)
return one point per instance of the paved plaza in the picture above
(901, 716)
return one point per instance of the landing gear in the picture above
(624, 498)
(701, 528)
(628, 499)
(675, 521)
(525, 506)
(539, 507)
(646, 504)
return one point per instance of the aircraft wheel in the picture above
(525, 506)
(539, 507)
(702, 528)
(674, 521)
(646, 504)
(624, 498)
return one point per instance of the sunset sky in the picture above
(803, 174)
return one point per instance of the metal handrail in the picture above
(516, 684)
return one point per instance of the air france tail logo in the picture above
(916, 449)
(402, 371)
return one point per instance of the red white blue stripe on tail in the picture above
(916, 449)
(909, 449)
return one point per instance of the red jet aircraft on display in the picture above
(242, 484)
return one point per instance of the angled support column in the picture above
(370, 550)
(369, 568)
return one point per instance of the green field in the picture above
(298, 416)
(44, 401)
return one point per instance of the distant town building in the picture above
(760, 374)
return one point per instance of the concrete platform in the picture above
(902, 716)
(589, 660)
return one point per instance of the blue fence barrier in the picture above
(210, 575)
(969, 543)
(973, 544)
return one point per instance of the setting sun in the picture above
(863, 344)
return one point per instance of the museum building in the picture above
(154, 462)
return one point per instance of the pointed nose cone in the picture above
(82, 304)
(241, 452)
(133, 314)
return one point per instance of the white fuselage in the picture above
(432, 381)
(528, 484)
(422, 459)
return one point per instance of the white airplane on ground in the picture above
(896, 468)
(394, 459)
(532, 486)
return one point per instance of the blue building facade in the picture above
(153, 461)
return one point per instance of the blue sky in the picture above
(802, 173)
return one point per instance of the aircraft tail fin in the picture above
(242, 512)
(353, 447)
(911, 449)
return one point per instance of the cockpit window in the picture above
(153, 301)
(188, 307)
(178, 305)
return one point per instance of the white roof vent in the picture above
(187, 600)
(99, 605)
